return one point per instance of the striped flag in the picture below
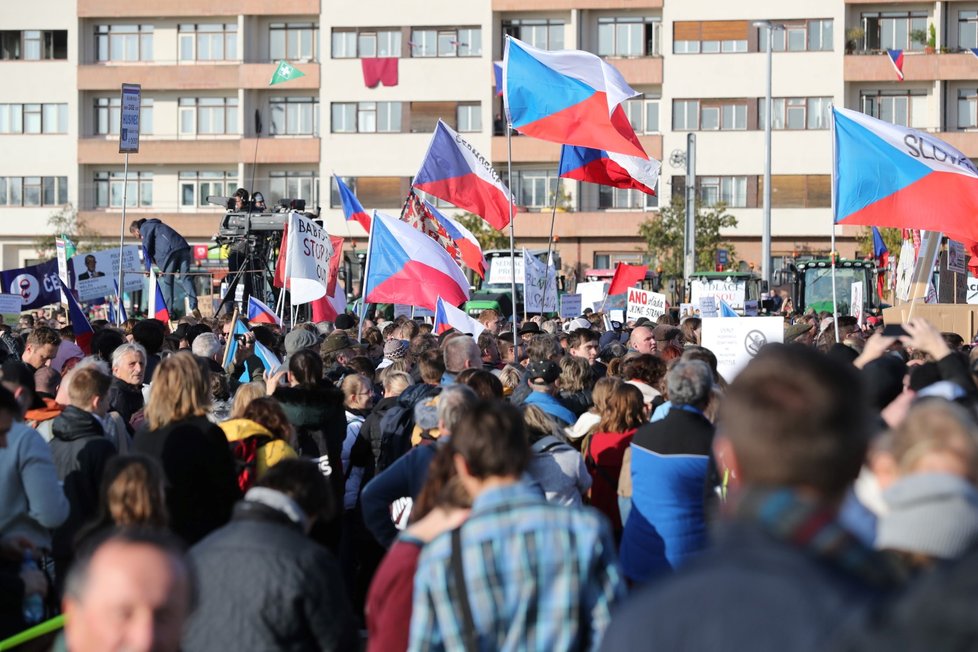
(896, 58)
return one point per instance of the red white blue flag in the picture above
(80, 325)
(260, 313)
(469, 249)
(609, 168)
(570, 97)
(896, 58)
(448, 317)
(352, 209)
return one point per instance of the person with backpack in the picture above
(556, 466)
(397, 424)
(395, 383)
(259, 440)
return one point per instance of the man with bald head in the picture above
(131, 592)
(642, 340)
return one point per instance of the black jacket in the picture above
(80, 451)
(370, 430)
(125, 399)
(264, 585)
(577, 402)
(201, 485)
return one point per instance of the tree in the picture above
(488, 237)
(664, 233)
(64, 221)
(892, 238)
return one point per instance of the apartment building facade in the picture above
(211, 123)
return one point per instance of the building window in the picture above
(123, 42)
(293, 41)
(208, 115)
(799, 190)
(685, 115)
(895, 30)
(904, 108)
(798, 36)
(351, 44)
(468, 117)
(293, 185)
(710, 36)
(33, 118)
(543, 34)
(294, 115)
(967, 29)
(627, 36)
(196, 186)
(209, 42)
(709, 115)
(620, 199)
(446, 42)
(33, 45)
(643, 114)
(366, 117)
(534, 189)
(967, 108)
(33, 191)
(730, 191)
(108, 116)
(796, 112)
(109, 189)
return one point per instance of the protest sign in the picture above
(972, 296)
(733, 292)
(570, 305)
(642, 303)
(95, 274)
(501, 271)
(957, 259)
(539, 285)
(750, 308)
(37, 285)
(309, 252)
(617, 314)
(708, 307)
(735, 342)
(856, 301)
(592, 294)
(402, 310)
(130, 105)
(686, 310)
(10, 305)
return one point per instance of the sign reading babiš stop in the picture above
(129, 119)
(642, 303)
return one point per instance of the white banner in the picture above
(94, 274)
(539, 285)
(570, 306)
(708, 307)
(642, 303)
(972, 295)
(856, 301)
(309, 251)
(735, 342)
(501, 271)
(733, 292)
(592, 293)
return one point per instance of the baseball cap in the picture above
(542, 372)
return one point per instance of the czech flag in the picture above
(160, 311)
(260, 313)
(469, 248)
(352, 209)
(569, 97)
(608, 168)
(80, 325)
(882, 256)
(448, 317)
(497, 76)
(268, 359)
(453, 171)
(406, 266)
(887, 175)
(896, 58)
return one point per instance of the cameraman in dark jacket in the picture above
(171, 253)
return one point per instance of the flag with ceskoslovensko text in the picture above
(285, 72)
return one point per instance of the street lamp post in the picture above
(766, 219)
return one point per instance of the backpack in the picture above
(395, 435)
(245, 453)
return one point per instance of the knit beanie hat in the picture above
(395, 349)
(935, 514)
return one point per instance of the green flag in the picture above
(285, 72)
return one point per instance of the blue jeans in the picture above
(178, 266)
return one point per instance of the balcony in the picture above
(916, 67)
(565, 5)
(638, 71)
(161, 77)
(533, 150)
(101, 151)
(128, 8)
(193, 226)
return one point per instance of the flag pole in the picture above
(366, 277)
(227, 344)
(512, 234)
(122, 229)
(550, 240)
(834, 199)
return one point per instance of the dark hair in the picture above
(302, 481)
(796, 418)
(194, 330)
(485, 384)
(268, 412)
(150, 333)
(648, 368)
(542, 346)
(491, 439)
(44, 335)
(689, 328)
(363, 365)
(579, 336)
(135, 224)
(8, 403)
(105, 342)
(134, 481)
(306, 367)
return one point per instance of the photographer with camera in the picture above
(171, 253)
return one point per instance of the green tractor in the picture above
(495, 290)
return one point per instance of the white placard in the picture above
(642, 303)
(501, 271)
(905, 265)
(856, 301)
(957, 258)
(708, 307)
(592, 294)
(733, 292)
(95, 274)
(309, 253)
(972, 296)
(10, 304)
(129, 118)
(735, 342)
(617, 315)
(570, 305)
(402, 310)
(540, 285)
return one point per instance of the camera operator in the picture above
(171, 253)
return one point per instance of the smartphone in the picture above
(893, 330)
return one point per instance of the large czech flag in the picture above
(406, 266)
(352, 208)
(469, 248)
(570, 97)
(887, 175)
(453, 171)
(609, 168)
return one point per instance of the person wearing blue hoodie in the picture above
(541, 377)
(171, 253)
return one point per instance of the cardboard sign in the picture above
(750, 308)
(570, 305)
(402, 310)
(95, 274)
(708, 307)
(957, 258)
(539, 285)
(856, 301)
(642, 303)
(735, 342)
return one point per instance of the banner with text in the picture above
(642, 303)
(539, 285)
(570, 305)
(94, 275)
(309, 252)
(735, 342)
(37, 285)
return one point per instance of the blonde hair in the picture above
(575, 374)
(246, 393)
(134, 492)
(180, 389)
(396, 382)
(352, 384)
(509, 377)
(538, 424)
(935, 426)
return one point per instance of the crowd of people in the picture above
(568, 487)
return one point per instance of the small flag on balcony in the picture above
(896, 58)
(285, 72)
